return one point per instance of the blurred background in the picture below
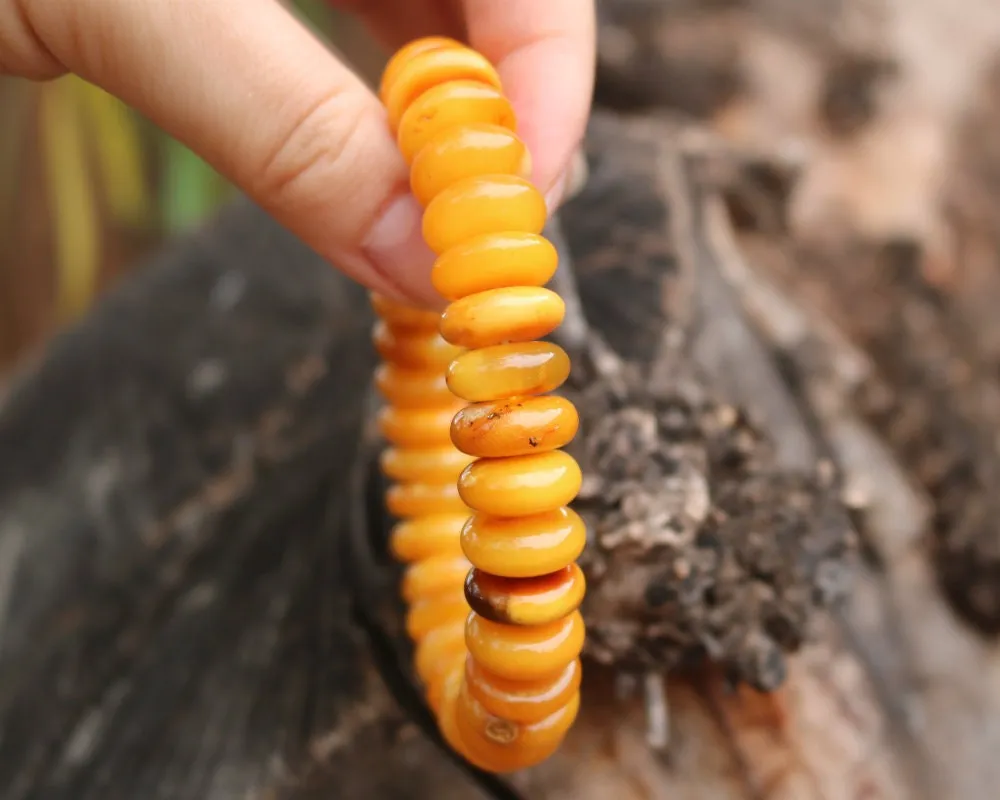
(88, 187)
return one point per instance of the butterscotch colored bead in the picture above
(525, 601)
(482, 204)
(494, 261)
(413, 387)
(523, 547)
(400, 315)
(443, 573)
(403, 56)
(417, 427)
(508, 370)
(463, 152)
(521, 485)
(523, 702)
(432, 68)
(515, 427)
(427, 614)
(420, 499)
(448, 105)
(525, 653)
(413, 349)
(435, 464)
(515, 314)
(424, 537)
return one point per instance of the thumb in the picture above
(248, 88)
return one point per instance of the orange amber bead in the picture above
(448, 105)
(515, 314)
(482, 204)
(442, 573)
(515, 427)
(525, 601)
(494, 261)
(525, 653)
(520, 485)
(417, 427)
(522, 701)
(440, 653)
(412, 388)
(432, 68)
(416, 539)
(505, 745)
(431, 464)
(420, 499)
(402, 56)
(508, 370)
(465, 151)
(400, 315)
(523, 547)
(413, 349)
(434, 612)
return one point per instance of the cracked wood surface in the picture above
(177, 621)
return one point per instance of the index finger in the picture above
(545, 54)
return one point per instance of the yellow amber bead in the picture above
(508, 370)
(448, 105)
(526, 601)
(447, 656)
(494, 261)
(525, 653)
(439, 643)
(448, 721)
(417, 427)
(403, 56)
(413, 349)
(413, 388)
(421, 499)
(430, 464)
(482, 204)
(522, 701)
(400, 315)
(506, 745)
(443, 573)
(464, 151)
(427, 614)
(416, 539)
(515, 427)
(520, 485)
(523, 547)
(432, 68)
(515, 314)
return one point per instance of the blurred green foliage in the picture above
(80, 173)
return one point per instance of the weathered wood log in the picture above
(177, 618)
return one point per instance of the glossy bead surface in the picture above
(433, 67)
(523, 547)
(508, 370)
(522, 701)
(515, 427)
(423, 349)
(424, 537)
(426, 615)
(417, 427)
(448, 105)
(463, 152)
(402, 56)
(420, 499)
(411, 387)
(400, 315)
(440, 573)
(427, 464)
(520, 485)
(525, 653)
(494, 261)
(515, 314)
(525, 601)
(482, 204)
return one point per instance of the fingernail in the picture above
(396, 249)
(569, 183)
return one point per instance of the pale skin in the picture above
(253, 92)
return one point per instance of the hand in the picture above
(248, 88)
